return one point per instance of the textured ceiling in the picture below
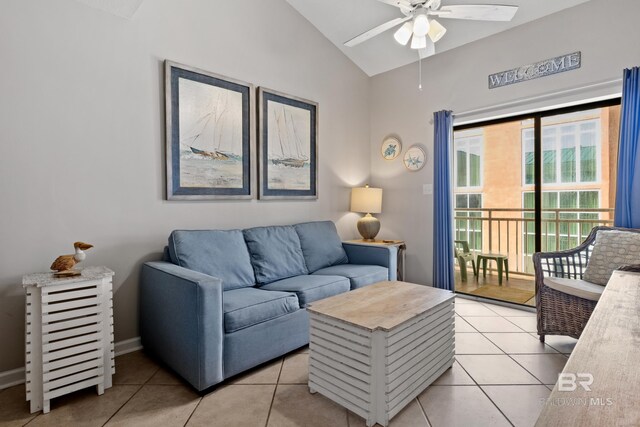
(340, 20)
(122, 8)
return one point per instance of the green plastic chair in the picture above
(463, 255)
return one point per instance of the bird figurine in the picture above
(64, 264)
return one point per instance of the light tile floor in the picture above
(501, 374)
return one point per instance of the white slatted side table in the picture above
(374, 349)
(69, 334)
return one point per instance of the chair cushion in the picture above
(275, 253)
(219, 253)
(613, 249)
(311, 288)
(321, 245)
(358, 275)
(251, 306)
(575, 287)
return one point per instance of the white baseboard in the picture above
(11, 378)
(16, 376)
(127, 346)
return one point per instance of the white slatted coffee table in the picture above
(374, 349)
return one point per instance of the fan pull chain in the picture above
(420, 74)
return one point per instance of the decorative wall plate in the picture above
(391, 148)
(414, 158)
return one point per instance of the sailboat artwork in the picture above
(289, 147)
(210, 136)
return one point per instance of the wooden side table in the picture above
(397, 243)
(69, 334)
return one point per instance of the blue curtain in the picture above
(628, 185)
(442, 207)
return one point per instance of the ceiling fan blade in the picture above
(403, 4)
(427, 51)
(375, 31)
(479, 12)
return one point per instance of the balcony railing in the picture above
(512, 231)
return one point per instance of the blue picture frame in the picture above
(210, 125)
(288, 146)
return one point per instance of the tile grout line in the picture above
(129, 399)
(510, 357)
(194, 410)
(478, 385)
(505, 352)
(510, 354)
(37, 415)
(275, 389)
(424, 411)
(530, 373)
(485, 393)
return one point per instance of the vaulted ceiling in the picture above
(340, 20)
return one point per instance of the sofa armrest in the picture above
(382, 255)
(181, 321)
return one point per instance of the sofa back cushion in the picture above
(612, 250)
(219, 253)
(321, 245)
(275, 253)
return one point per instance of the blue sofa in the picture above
(224, 301)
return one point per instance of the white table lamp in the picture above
(367, 200)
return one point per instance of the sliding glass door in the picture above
(530, 183)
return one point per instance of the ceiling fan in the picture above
(419, 22)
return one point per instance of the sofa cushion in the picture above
(250, 306)
(358, 275)
(613, 249)
(576, 287)
(218, 253)
(275, 253)
(321, 245)
(311, 288)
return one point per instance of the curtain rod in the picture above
(554, 94)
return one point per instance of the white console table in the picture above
(69, 334)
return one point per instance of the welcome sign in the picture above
(556, 65)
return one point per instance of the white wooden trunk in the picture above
(377, 373)
(69, 334)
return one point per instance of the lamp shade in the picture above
(418, 42)
(366, 200)
(420, 23)
(403, 34)
(436, 31)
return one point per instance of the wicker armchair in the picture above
(560, 313)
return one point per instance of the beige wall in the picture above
(81, 120)
(457, 80)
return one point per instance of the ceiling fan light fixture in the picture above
(418, 42)
(420, 23)
(436, 31)
(403, 34)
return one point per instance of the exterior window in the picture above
(560, 230)
(468, 161)
(467, 228)
(570, 153)
(529, 156)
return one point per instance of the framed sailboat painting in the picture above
(210, 123)
(288, 142)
